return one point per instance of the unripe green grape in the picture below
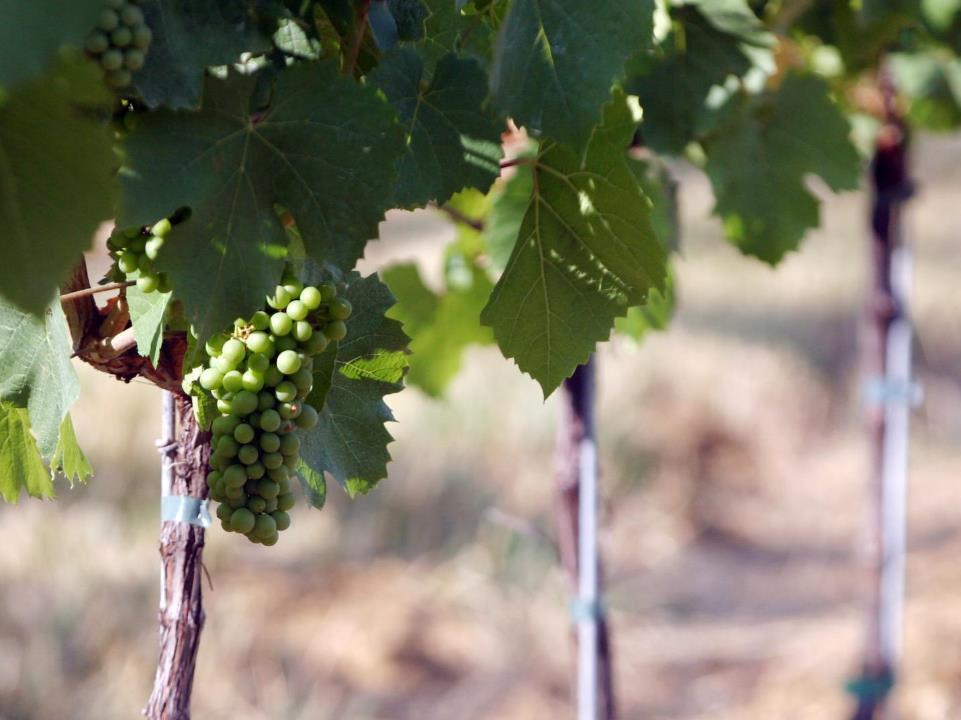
(303, 379)
(340, 309)
(258, 363)
(253, 381)
(235, 493)
(280, 298)
(215, 344)
(265, 400)
(336, 330)
(256, 470)
(302, 331)
(285, 501)
(244, 434)
(233, 350)
(289, 445)
(121, 37)
(224, 365)
(224, 512)
(293, 286)
(288, 362)
(256, 504)
(144, 263)
(245, 402)
(142, 35)
(127, 261)
(225, 524)
(281, 324)
(308, 417)
(286, 391)
(270, 540)
(133, 59)
(211, 378)
(273, 377)
(285, 343)
(310, 296)
(242, 520)
(225, 425)
(267, 489)
(132, 15)
(248, 455)
(278, 474)
(217, 493)
(289, 410)
(270, 442)
(284, 486)
(316, 344)
(253, 538)
(97, 42)
(272, 460)
(271, 505)
(137, 244)
(328, 291)
(286, 427)
(225, 407)
(227, 447)
(161, 228)
(212, 478)
(163, 283)
(270, 420)
(291, 461)
(235, 476)
(237, 502)
(153, 246)
(265, 526)
(258, 342)
(109, 19)
(296, 310)
(233, 381)
(147, 283)
(281, 518)
(218, 462)
(260, 320)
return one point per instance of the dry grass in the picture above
(735, 477)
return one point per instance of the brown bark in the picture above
(181, 606)
(577, 423)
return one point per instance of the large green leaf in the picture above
(452, 140)
(35, 369)
(190, 36)
(556, 60)
(21, 466)
(147, 313)
(56, 180)
(758, 161)
(585, 252)
(324, 150)
(350, 442)
(32, 32)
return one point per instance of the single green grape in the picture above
(121, 36)
(244, 434)
(290, 445)
(256, 504)
(280, 298)
(225, 407)
(303, 379)
(256, 470)
(227, 447)
(278, 474)
(132, 15)
(164, 285)
(233, 381)
(273, 377)
(267, 489)
(336, 330)
(285, 343)
(223, 364)
(265, 526)
(148, 283)
(211, 378)
(253, 381)
(215, 344)
(302, 331)
(109, 19)
(142, 35)
(245, 402)
(270, 540)
(144, 263)
(237, 502)
(281, 518)
(265, 400)
(272, 460)
(296, 310)
(97, 42)
(224, 512)
(225, 424)
(288, 362)
(260, 320)
(286, 391)
(286, 501)
(233, 350)
(248, 455)
(161, 228)
(316, 344)
(308, 418)
(281, 324)
(310, 296)
(289, 410)
(234, 493)
(134, 59)
(270, 442)
(258, 342)
(258, 363)
(293, 286)
(328, 291)
(212, 478)
(242, 520)
(127, 261)
(137, 244)
(270, 420)
(340, 309)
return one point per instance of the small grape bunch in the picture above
(134, 251)
(120, 41)
(260, 375)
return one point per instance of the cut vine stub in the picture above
(181, 602)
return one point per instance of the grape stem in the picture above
(86, 292)
(457, 216)
(514, 161)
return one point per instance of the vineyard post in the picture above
(576, 512)
(181, 547)
(889, 392)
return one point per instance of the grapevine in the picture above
(120, 42)
(260, 375)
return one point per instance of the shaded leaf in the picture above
(147, 313)
(21, 466)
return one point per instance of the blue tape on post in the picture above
(881, 391)
(185, 509)
(581, 610)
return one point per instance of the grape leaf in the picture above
(147, 312)
(453, 142)
(585, 252)
(758, 160)
(56, 180)
(442, 326)
(448, 30)
(32, 32)
(324, 150)
(409, 16)
(556, 60)
(350, 441)
(21, 466)
(653, 315)
(68, 458)
(188, 37)
(508, 207)
(35, 369)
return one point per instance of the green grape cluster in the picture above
(260, 375)
(120, 41)
(134, 250)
